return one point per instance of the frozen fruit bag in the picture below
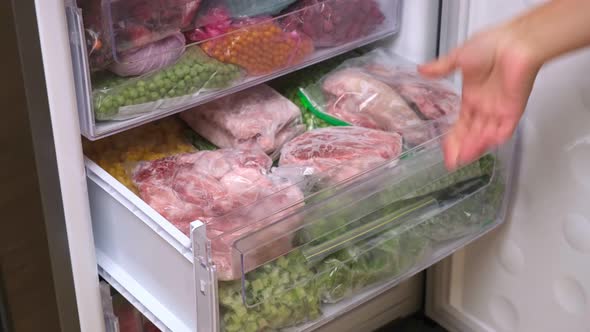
(151, 141)
(341, 152)
(117, 98)
(358, 93)
(116, 26)
(335, 22)
(260, 46)
(259, 116)
(231, 191)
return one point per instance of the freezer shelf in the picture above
(206, 69)
(341, 246)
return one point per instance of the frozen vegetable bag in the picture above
(259, 116)
(117, 98)
(382, 91)
(231, 191)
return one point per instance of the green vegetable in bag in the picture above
(193, 72)
(279, 294)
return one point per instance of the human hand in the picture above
(498, 74)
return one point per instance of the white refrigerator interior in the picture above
(527, 275)
(532, 273)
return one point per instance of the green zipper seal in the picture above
(309, 105)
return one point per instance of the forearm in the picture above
(553, 29)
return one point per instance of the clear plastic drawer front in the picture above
(373, 230)
(136, 61)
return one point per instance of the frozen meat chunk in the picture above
(432, 99)
(232, 192)
(342, 152)
(358, 98)
(259, 116)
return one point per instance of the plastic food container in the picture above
(346, 240)
(113, 84)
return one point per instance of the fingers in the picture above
(473, 135)
(441, 67)
(455, 140)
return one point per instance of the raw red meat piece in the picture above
(335, 22)
(231, 191)
(358, 98)
(259, 116)
(341, 151)
(431, 98)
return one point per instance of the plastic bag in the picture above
(115, 26)
(382, 92)
(289, 85)
(151, 141)
(260, 46)
(243, 8)
(287, 296)
(118, 98)
(379, 259)
(150, 58)
(341, 152)
(335, 22)
(432, 99)
(231, 191)
(258, 116)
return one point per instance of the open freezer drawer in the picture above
(161, 72)
(297, 266)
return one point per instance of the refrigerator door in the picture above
(532, 274)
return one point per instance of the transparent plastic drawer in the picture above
(376, 229)
(140, 60)
(296, 264)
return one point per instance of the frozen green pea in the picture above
(120, 100)
(133, 93)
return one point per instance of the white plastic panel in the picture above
(533, 273)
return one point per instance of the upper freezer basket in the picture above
(139, 60)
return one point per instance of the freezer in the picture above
(199, 228)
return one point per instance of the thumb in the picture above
(440, 67)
